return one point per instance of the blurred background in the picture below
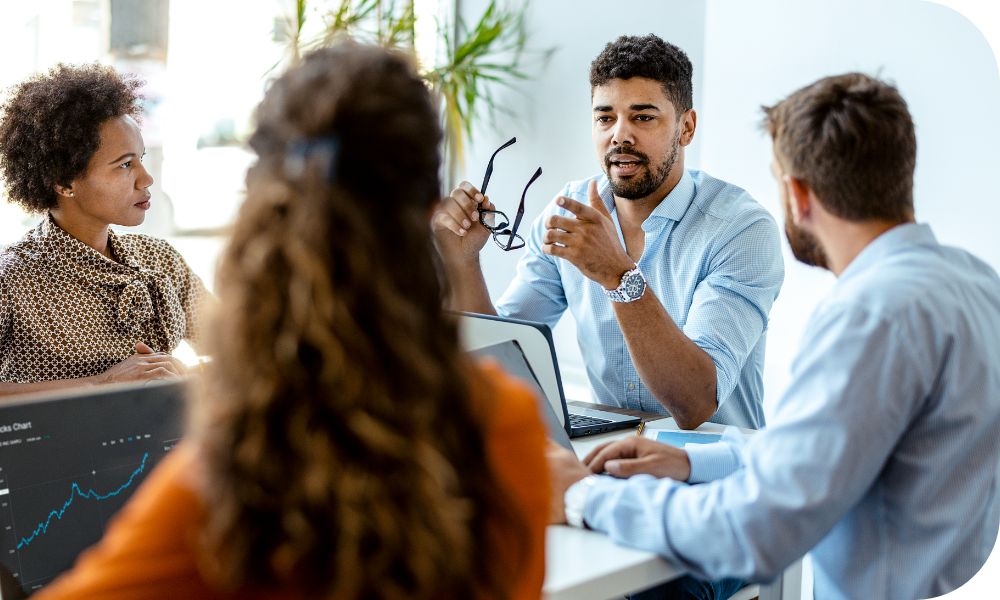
(206, 64)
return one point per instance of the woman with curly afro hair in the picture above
(343, 445)
(79, 303)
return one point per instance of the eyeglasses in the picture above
(506, 238)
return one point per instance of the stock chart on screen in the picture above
(68, 464)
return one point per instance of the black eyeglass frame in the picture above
(506, 239)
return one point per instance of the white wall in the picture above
(758, 52)
(749, 53)
(746, 54)
(553, 118)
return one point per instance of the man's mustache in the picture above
(619, 152)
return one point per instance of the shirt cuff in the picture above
(632, 511)
(599, 491)
(712, 461)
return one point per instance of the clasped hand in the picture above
(144, 365)
(587, 239)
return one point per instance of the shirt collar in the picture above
(900, 236)
(672, 207)
(70, 246)
(64, 242)
(676, 203)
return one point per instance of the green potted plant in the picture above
(464, 73)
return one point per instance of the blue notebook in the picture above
(679, 438)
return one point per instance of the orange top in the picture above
(148, 551)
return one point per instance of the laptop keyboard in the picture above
(585, 421)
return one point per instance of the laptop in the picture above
(535, 341)
(68, 462)
(511, 358)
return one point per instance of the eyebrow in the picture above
(124, 156)
(634, 107)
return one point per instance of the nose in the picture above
(623, 135)
(144, 180)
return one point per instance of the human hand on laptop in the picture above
(634, 455)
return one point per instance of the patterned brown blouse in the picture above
(68, 311)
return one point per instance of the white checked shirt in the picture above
(712, 257)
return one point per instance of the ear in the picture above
(64, 191)
(689, 120)
(800, 198)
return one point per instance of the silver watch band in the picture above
(631, 287)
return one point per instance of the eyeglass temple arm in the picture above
(520, 207)
(489, 165)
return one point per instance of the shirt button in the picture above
(631, 386)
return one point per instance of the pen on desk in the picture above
(640, 428)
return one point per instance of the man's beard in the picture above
(646, 181)
(805, 246)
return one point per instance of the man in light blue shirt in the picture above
(670, 274)
(882, 456)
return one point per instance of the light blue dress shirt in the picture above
(712, 257)
(881, 457)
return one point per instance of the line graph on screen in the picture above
(77, 492)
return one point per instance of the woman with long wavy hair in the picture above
(342, 446)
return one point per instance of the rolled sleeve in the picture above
(712, 461)
(798, 478)
(729, 311)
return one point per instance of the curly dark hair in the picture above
(50, 127)
(650, 57)
(342, 440)
(851, 138)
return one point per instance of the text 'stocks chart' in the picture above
(67, 465)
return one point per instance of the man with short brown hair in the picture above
(883, 453)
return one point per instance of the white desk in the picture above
(587, 565)
(582, 565)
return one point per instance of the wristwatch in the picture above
(631, 288)
(575, 500)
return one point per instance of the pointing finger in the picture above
(595, 199)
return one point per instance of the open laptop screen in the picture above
(68, 463)
(512, 359)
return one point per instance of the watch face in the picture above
(631, 288)
(634, 285)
